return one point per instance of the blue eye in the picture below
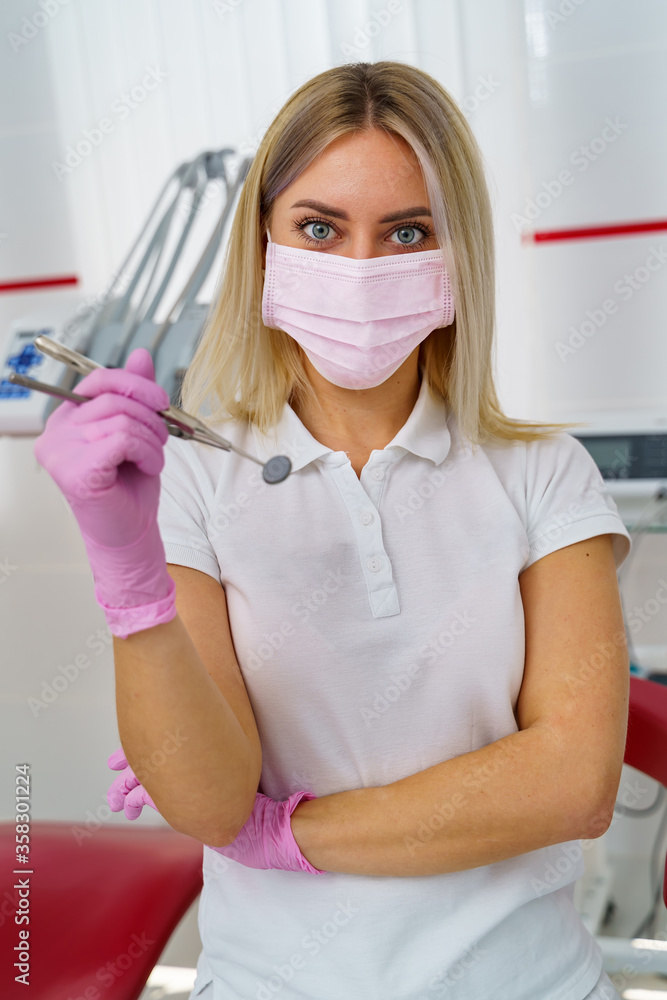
(408, 234)
(320, 230)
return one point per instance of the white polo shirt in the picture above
(379, 627)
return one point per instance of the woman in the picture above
(409, 639)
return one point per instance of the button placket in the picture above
(367, 526)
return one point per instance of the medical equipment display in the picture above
(178, 423)
(124, 317)
(629, 455)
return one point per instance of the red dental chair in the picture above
(101, 907)
(646, 742)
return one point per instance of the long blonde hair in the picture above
(252, 370)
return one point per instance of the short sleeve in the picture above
(182, 517)
(567, 499)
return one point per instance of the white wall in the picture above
(221, 71)
(596, 91)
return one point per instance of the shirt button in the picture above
(366, 517)
(377, 474)
(374, 564)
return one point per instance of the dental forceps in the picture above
(179, 423)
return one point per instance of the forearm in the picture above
(180, 735)
(508, 798)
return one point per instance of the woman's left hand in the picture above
(266, 840)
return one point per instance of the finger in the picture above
(115, 799)
(116, 419)
(140, 362)
(125, 383)
(135, 802)
(117, 760)
(110, 404)
(110, 452)
(143, 451)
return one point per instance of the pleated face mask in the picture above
(357, 320)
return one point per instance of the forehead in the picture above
(372, 170)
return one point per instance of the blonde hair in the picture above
(251, 369)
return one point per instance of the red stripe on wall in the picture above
(593, 232)
(28, 284)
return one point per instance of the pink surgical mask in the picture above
(357, 320)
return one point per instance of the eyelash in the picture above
(428, 232)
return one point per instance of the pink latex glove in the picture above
(126, 792)
(267, 841)
(106, 456)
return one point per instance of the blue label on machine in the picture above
(22, 363)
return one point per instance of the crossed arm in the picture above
(554, 780)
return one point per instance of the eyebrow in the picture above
(336, 213)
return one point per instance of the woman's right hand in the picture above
(126, 791)
(106, 456)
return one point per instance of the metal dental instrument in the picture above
(275, 470)
(74, 397)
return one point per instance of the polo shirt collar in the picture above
(425, 433)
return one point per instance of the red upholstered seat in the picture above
(646, 743)
(102, 907)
